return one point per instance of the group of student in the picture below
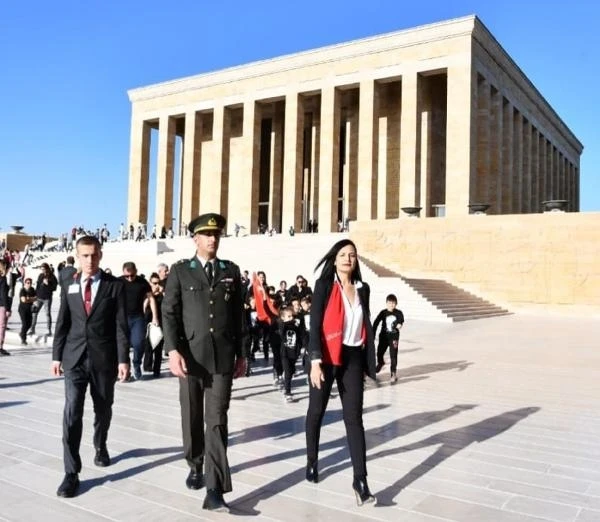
(279, 322)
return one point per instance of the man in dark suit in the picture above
(90, 347)
(202, 313)
(65, 276)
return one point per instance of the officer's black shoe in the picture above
(214, 501)
(102, 458)
(69, 485)
(194, 480)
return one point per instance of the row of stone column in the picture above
(517, 167)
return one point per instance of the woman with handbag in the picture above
(341, 348)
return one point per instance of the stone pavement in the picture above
(493, 420)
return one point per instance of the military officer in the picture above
(203, 327)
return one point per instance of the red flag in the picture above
(261, 297)
(333, 327)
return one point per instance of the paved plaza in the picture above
(492, 420)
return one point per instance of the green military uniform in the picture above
(203, 320)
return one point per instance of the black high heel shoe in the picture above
(361, 490)
(312, 474)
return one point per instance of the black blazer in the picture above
(204, 321)
(319, 303)
(104, 335)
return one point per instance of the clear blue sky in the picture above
(66, 67)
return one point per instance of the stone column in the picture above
(507, 157)
(190, 175)
(381, 173)
(367, 150)
(249, 181)
(164, 171)
(139, 169)
(535, 170)
(517, 181)
(460, 132)
(291, 212)
(410, 138)
(276, 167)
(329, 159)
(212, 165)
(496, 149)
(483, 175)
(526, 186)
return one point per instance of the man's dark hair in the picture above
(70, 260)
(392, 299)
(129, 266)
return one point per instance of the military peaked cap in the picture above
(207, 223)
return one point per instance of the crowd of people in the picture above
(214, 323)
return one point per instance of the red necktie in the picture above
(87, 296)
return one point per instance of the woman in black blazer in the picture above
(341, 348)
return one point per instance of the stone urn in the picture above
(478, 208)
(17, 228)
(411, 211)
(555, 205)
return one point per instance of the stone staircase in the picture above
(453, 302)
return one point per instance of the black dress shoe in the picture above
(361, 490)
(68, 487)
(214, 501)
(312, 474)
(194, 480)
(102, 458)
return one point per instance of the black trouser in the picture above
(26, 319)
(288, 360)
(102, 388)
(349, 378)
(276, 347)
(39, 304)
(264, 334)
(385, 341)
(205, 399)
(153, 357)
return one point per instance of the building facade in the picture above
(437, 117)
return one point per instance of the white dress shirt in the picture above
(95, 284)
(353, 319)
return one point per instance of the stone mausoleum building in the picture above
(438, 117)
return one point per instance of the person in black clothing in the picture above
(252, 337)
(391, 320)
(299, 290)
(153, 355)
(26, 299)
(45, 287)
(341, 349)
(137, 290)
(291, 334)
(65, 275)
(5, 305)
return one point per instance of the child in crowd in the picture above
(291, 333)
(254, 332)
(391, 320)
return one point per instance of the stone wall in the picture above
(549, 260)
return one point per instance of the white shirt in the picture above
(353, 319)
(95, 284)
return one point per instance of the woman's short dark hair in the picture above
(328, 262)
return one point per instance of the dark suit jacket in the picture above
(103, 335)
(320, 298)
(204, 322)
(65, 276)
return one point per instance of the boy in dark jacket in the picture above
(391, 320)
(291, 333)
